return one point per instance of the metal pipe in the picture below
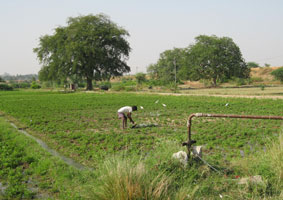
(190, 142)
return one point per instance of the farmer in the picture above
(125, 112)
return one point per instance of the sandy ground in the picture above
(227, 96)
(212, 95)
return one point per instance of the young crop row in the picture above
(28, 172)
(85, 125)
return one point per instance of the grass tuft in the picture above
(124, 180)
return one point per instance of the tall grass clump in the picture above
(276, 161)
(125, 180)
(268, 165)
(152, 177)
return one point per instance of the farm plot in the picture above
(85, 127)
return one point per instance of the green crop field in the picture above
(85, 126)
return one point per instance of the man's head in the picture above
(134, 108)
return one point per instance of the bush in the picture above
(105, 85)
(240, 81)
(21, 85)
(128, 82)
(34, 85)
(256, 79)
(278, 74)
(140, 77)
(2, 80)
(130, 88)
(124, 180)
(5, 87)
(81, 85)
(253, 65)
(118, 87)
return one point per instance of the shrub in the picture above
(21, 85)
(118, 87)
(130, 88)
(2, 80)
(128, 82)
(240, 81)
(105, 85)
(123, 180)
(5, 87)
(278, 74)
(81, 85)
(256, 79)
(253, 65)
(34, 85)
(140, 77)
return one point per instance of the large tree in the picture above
(215, 58)
(278, 74)
(168, 65)
(89, 47)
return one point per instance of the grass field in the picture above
(85, 127)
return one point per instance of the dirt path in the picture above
(214, 95)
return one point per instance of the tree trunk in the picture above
(89, 84)
(214, 81)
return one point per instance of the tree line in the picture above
(210, 57)
(93, 47)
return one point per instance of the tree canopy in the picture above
(89, 47)
(215, 59)
(1, 79)
(278, 74)
(168, 65)
(210, 58)
(253, 65)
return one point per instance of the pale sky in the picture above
(256, 26)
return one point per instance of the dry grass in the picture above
(263, 73)
(276, 159)
(122, 180)
(264, 164)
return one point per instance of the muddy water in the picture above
(68, 161)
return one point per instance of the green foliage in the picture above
(118, 87)
(278, 74)
(21, 85)
(252, 65)
(28, 172)
(256, 79)
(2, 80)
(90, 47)
(140, 77)
(105, 85)
(5, 87)
(240, 81)
(34, 85)
(168, 65)
(215, 58)
(13, 159)
(210, 58)
(84, 126)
